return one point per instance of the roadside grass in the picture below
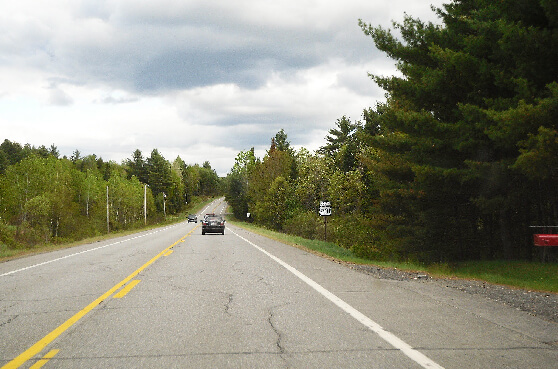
(516, 273)
(519, 274)
(7, 253)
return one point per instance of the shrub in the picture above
(303, 224)
(7, 236)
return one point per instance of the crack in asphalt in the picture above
(278, 341)
(10, 319)
(228, 304)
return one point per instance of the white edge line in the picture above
(389, 337)
(82, 252)
(85, 251)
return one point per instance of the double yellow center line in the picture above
(46, 340)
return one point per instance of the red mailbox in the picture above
(545, 239)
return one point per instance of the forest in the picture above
(460, 161)
(48, 199)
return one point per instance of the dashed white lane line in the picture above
(387, 336)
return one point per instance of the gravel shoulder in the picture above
(541, 304)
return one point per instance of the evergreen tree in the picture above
(476, 100)
(342, 144)
(281, 141)
(10, 154)
(158, 177)
(137, 166)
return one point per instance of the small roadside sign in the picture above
(325, 208)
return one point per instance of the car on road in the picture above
(213, 224)
(192, 218)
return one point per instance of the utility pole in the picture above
(108, 226)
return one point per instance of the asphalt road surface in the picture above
(172, 298)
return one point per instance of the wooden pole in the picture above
(108, 226)
(325, 229)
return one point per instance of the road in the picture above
(172, 298)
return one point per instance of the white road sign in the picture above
(325, 208)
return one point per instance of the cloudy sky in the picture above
(199, 79)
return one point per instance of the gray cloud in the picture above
(152, 48)
(177, 75)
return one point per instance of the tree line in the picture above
(457, 164)
(45, 198)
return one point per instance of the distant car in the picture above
(192, 218)
(213, 224)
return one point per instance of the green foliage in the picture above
(237, 182)
(137, 166)
(7, 236)
(40, 193)
(277, 204)
(209, 181)
(46, 199)
(306, 224)
(38, 211)
(276, 172)
(342, 144)
(457, 163)
(312, 183)
(237, 195)
(280, 141)
(125, 201)
(158, 172)
(474, 108)
(345, 192)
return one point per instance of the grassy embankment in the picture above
(8, 253)
(519, 274)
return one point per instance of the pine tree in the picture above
(475, 104)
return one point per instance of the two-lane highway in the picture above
(172, 298)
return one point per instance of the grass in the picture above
(519, 274)
(8, 253)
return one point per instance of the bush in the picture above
(29, 236)
(358, 234)
(304, 224)
(7, 236)
(349, 230)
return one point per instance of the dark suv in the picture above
(213, 224)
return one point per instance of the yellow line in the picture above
(46, 340)
(169, 252)
(126, 289)
(44, 360)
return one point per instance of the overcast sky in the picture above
(199, 79)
